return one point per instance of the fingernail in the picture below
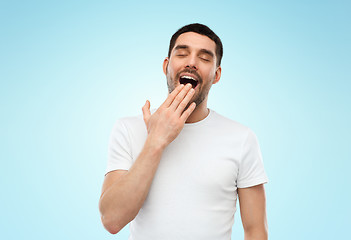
(192, 90)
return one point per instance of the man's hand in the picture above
(164, 125)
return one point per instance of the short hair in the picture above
(200, 29)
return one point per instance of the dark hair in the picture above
(200, 29)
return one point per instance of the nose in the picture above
(191, 66)
(192, 62)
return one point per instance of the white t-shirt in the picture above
(194, 192)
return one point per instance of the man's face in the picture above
(193, 60)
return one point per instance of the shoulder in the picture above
(231, 126)
(129, 124)
(135, 121)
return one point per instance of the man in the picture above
(176, 173)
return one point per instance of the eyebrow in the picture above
(201, 50)
(207, 52)
(181, 47)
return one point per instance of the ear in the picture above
(218, 75)
(165, 65)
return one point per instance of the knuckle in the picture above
(179, 97)
(182, 104)
(168, 114)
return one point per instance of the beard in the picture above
(201, 91)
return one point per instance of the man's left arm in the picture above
(253, 212)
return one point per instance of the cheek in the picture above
(212, 74)
(172, 70)
(169, 68)
(175, 64)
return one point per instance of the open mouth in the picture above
(187, 79)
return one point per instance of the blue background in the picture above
(69, 69)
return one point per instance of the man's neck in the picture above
(199, 113)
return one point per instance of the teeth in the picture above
(188, 77)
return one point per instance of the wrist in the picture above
(154, 146)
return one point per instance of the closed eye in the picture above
(205, 59)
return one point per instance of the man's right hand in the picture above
(164, 125)
(124, 192)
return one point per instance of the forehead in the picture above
(196, 41)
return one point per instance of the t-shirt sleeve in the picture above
(119, 148)
(251, 169)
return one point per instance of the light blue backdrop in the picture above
(69, 69)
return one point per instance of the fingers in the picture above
(146, 112)
(172, 95)
(179, 98)
(182, 105)
(187, 112)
